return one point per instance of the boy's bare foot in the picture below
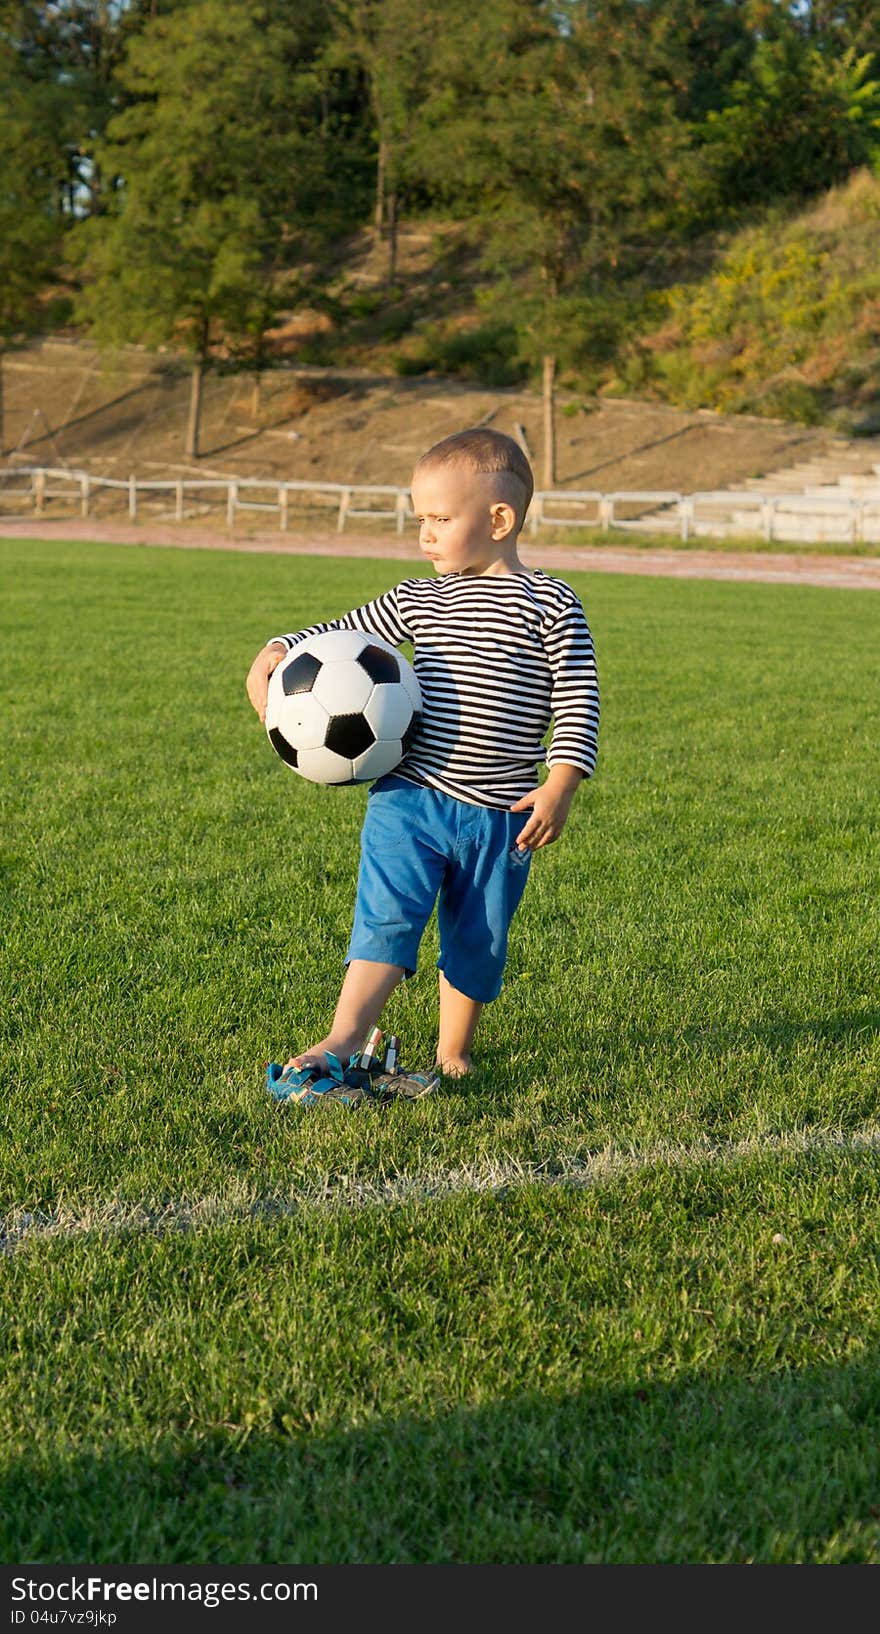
(317, 1055)
(455, 1066)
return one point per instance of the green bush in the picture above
(406, 365)
(487, 354)
(364, 303)
(790, 400)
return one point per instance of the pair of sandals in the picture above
(368, 1078)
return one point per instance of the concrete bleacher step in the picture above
(861, 483)
(812, 497)
(834, 492)
(788, 484)
(827, 527)
(845, 465)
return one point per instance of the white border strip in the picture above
(345, 1194)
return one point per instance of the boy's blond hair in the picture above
(494, 453)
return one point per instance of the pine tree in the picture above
(800, 121)
(71, 49)
(839, 25)
(701, 47)
(217, 186)
(31, 224)
(391, 44)
(556, 131)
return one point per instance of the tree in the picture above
(31, 167)
(217, 187)
(838, 25)
(800, 121)
(71, 49)
(557, 131)
(701, 48)
(391, 43)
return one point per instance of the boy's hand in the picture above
(550, 804)
(258, 675)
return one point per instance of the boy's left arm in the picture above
(550, 804)
(575, 707)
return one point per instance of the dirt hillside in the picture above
(64, 406)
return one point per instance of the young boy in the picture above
(499, 651)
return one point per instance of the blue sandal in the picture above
(367, 1078)
(394, 1083)
(310, 1084)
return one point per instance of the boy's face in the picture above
(459, 516)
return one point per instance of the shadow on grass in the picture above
(778, 1469)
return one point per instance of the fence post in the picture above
(39, 487)
(402, 508)
(344, 503)
(231, 502)
(686, 514)
(536, 513)
(767, 511)
(606, 512)
(178, 502)
(86, 489)
(282, 507)
(132, 498)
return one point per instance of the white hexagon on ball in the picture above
(304, 716)
(323, 766)
(388, 711)
(341, 686)
(336, 645)
(377, 760)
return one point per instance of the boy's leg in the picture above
(458, 1023)
(398, 879)
(478, 898)
(365, 990)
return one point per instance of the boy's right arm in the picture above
(380, 617)
(258, 674)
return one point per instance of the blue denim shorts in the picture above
(420, 846)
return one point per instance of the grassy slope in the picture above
(785, 323)
(631, 1370)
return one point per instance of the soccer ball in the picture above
(343, 707)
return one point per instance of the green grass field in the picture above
(614, 1298)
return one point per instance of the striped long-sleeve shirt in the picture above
(497, 657)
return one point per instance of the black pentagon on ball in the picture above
(379, 664)
(282, 747)
(349, 735)
(299, 675)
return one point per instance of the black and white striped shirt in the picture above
(497, 657)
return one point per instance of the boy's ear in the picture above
(503, 519)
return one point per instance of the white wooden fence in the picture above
(830, 518)
(824, 517)
(41, 483)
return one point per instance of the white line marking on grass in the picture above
(344, 1194)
